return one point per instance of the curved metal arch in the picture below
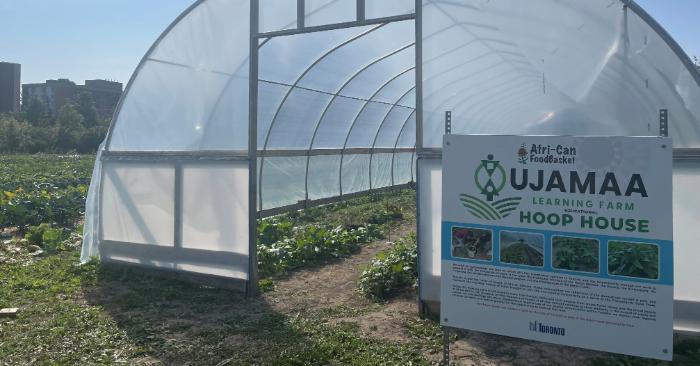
(650, 98)
(379, 129)
(291, 89)
(459, 80)
(330, 103)
(519, 89)
(665, 36)
(636, 8)
(489, 89)
(486, 44)
(354, 122)
(228, 82)
(494, 94)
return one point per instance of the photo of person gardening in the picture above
(522, 248)
(472, 243)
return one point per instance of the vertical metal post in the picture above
(419, 140)
(663, 122)
(445, 346)
(361, 10)
(252, 284)
(100, 201)
(301, 14)
(178, 204)
(371, 156)
(448, 123)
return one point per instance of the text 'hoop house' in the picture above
(245, 108)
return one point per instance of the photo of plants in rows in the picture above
(472, 243)
(576, 254)
(522, 248)
(633, 259)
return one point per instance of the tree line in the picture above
(74, 128)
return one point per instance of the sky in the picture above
(105, 39)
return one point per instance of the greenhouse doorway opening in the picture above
(336, 113)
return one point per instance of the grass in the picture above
(91, 314)
(99, 315)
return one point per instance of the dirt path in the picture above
(334, 287)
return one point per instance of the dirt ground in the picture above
(334, 286)
(168, 320)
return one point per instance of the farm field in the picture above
(338, 289)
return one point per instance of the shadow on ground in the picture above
(172, 322)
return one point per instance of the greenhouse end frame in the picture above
(258, 152)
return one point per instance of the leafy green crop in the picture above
(633, 260)
(309, 245)
(391, 270)
(273, 230)
(575, 254)
(43, 189)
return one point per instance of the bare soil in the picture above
(335, 286)
(330, 289)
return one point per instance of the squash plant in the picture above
(391, 270)
(309, 245)
(633, 260)
(575, 254)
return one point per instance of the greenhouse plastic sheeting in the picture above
(245, 108)
(551, 67)
(516, 67)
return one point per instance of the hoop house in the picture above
(246, 108)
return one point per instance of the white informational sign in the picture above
(565, 240)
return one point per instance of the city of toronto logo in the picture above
(490, 178)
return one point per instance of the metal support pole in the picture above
(419, 141)
(178, 204)
(360, 10)
(445, 346)
(301, 14)
(252, 283)
(663, 122)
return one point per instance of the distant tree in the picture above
(36, 112)
(12, 134)
(91, 139)
(39, 140)
(69, 127)
(85, 104)
(697, 62)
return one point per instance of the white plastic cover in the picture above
(571, 67)
(686, 201)
(193, 97)
(215, 207)
(595, 67)
(551, 67)
(138, 203)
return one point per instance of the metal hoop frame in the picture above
(259, 39)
